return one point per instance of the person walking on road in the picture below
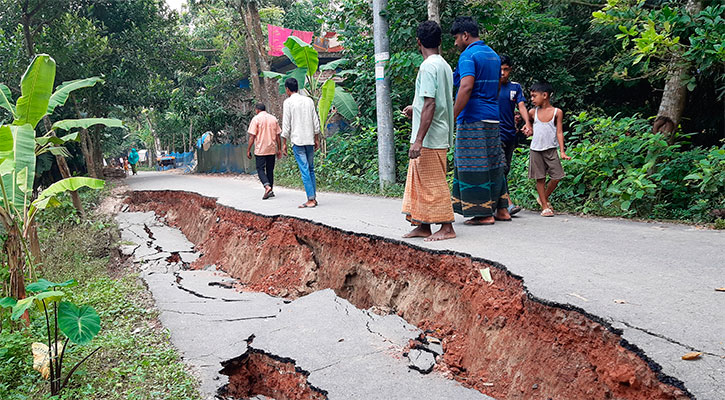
(510, 97)
(133, 160)
(264, 134)
(301, 126)
(479, 182)
(427, 199)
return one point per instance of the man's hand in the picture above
(408, 111)
(414, 151)
(563, 155)
(249, 154)
(317, 143)
(279, 154)
(528, 130)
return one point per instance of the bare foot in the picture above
(443, 234)
(480, 221)
(502, 214)
(420, 231)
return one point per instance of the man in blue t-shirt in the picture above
(479, 182)
(510, 97)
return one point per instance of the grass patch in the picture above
(136, 360)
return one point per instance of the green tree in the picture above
(19, 148)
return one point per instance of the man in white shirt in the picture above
(301, 126)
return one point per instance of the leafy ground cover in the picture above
(618, 169)
(136, 359)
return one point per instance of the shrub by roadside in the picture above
(618, 168)
(136, 360)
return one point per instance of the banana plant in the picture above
(19, 148)
(79, 325)
(325, 93)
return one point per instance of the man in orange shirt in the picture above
(264, 134)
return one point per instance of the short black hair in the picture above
(429, 34)
(260, 107)
(542, 87)
(465, 24)
(506, 60)
(292, 85)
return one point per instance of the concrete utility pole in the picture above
(433, 11)
(386, 139)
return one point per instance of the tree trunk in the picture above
(97, 151)
(34, 244)
(433, 11)
(674, 93)
(191, 137)
(13, 247)
(274, 98)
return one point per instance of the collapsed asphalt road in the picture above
(334, 348)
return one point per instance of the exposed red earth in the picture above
(254, 373)
(497, 338)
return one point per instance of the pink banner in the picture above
(277, 35)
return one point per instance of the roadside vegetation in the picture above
(136, 359)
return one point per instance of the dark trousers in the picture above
(265, 169)
(508, 151)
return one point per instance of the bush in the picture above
(620, 168)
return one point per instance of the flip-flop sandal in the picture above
(501, 219)
(304, 205)
(476, 222)
(547, 212)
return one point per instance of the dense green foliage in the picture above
(620, 168)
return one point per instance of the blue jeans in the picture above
(305, 156)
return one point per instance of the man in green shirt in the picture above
(427, 199)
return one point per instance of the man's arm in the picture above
(560, 134)
(286, 121)
(530, 113)
(316, 123)
(251, 143)
(527, 121)
(426, 118)
(464, 94)
(278, 139)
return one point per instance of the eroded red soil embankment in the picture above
(492, 334)
(254, 373)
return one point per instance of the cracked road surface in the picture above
(655, 281)
(348, 352)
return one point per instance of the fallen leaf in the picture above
(41, 358)
(692, 356)
(486, 274)
(487, 384)
(620, 301)
(720, 289)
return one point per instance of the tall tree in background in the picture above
(679, 43)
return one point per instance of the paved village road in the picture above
(655, 281)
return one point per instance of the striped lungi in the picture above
(479, 181)
(427, 199)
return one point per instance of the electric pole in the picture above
(386, 139)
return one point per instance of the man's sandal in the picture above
(547, 212)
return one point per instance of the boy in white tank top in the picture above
(548, 136)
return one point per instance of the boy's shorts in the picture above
(545, 162)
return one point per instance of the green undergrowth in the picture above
(136, 359)
(618, 169)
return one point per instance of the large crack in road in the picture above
(498, 338)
